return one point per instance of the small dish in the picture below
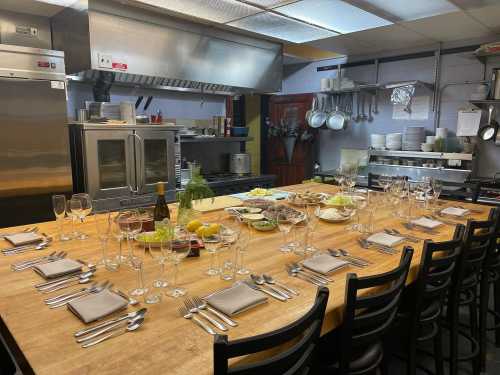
(264, 226)
(334, 215)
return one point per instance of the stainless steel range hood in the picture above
(150, 49)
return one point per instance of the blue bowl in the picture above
(239, 131)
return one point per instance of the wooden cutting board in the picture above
(218, 203)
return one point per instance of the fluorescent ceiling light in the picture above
(269, 3)
(282, 28)
(412, 10)
(220, 11)
(333, 14)
(63, 3)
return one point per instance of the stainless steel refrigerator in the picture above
(34, 149)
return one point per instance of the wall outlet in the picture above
(105, 61)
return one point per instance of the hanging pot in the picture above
(289, 144)
(488, 131)
(336, 119)
(311, 110)
(318, 116)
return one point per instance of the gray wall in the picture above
(454, 67)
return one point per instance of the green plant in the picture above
(196, 189)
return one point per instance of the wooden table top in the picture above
(45, 336)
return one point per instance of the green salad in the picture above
(161, 234)
(340, 200)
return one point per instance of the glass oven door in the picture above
(155, 156)
(110, 163)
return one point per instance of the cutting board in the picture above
(218, 203)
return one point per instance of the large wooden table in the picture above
(167, 343)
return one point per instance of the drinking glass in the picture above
(312, 212)
(212, 242)
(74, 209)
(301, 238)
(103, 225)
(118, 234)
(130, 224)
(284, 226)
(137, 263)
(59, 206)
(160, 254)
(359, 202)
(437, 188)
(230, 233)
(385, 182)
(86, 204)
(181, 246)
(245, 237)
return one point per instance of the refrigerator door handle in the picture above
(140, 163)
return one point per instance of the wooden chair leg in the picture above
(496, 303)
(438, 352)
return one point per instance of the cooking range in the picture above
(224, 183)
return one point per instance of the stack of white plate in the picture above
(378, 141)
(413, 137)
(394, 141)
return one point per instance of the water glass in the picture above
(103, 225)
(284, 226)
(227, 259)
(302, 231)
(245, 239)
(59, 207)
(181, 247)
(73, 209)
(212, 243)
(86, 209)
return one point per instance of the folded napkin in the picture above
(96, 306)
(324, 263)
(20, 239)
(58, 268)
(385, 239)
(455, 211)
(236, 299)
(426, 223)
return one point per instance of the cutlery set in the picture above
(195, 306)
(407, 237)
(296, 270)
(64, 299)
(45, 242)
(26, 230)
(413, 227)
(28, 264)
(354, 261)
(82, 277)
(365, 244)
(444, 221)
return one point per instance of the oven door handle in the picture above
(132, 190)
(140, 169)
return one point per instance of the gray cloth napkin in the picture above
(236, 299)
(58, 268)
(96, 306)
(20, 239)
(324, 263)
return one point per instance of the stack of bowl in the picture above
(394, 141)
(378, 141)
(413, 137)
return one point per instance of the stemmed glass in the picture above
(130, 224)
(119, 235)
(212, 241)
(181, 246)
(74, 209)
(340, 178)
(230, 233)
(437, 188)
(59, 206)
(245, 238)
(161, 253)
(385, 182)
(360, 202)
(86, 204)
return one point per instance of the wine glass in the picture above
(59, 207)
(359, 203)
(212, 241)
(181, 246)
(161, 253)
(437, 188)
(385, 182)
(118, 234)
(244, 244)
(230, 232)
(312, 212)
(86, 209)
(73, 210)
(130, 225)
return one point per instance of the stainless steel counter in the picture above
(92, 126)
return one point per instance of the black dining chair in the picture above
(424, 301)
(464, 292)
(367, 316)
(460, 190)
(490, 276)
(293, 360)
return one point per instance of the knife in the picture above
(270, 292)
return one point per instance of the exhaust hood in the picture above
(149, 49)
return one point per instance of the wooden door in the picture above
(289, 111)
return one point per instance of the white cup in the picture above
(430, 139)
(441, 133)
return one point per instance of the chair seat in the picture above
(364, 360)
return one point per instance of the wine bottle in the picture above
(161, 208)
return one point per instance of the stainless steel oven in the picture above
(119, 165)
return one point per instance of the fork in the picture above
(348, 254)
(313, 273)
(380, 248)
(183, 312)
(406, 235)
(29, 261)
(337, 254)
(444, 221)
(191, 307)
(202, 305)
(392, 233)
(48, 259)
(95, 289)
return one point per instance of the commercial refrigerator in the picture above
(34, 147)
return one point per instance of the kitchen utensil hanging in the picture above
(336, 118)
(318, 116)
(488, 132)
(311, 110)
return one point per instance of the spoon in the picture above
(49, 284)
(311, 273)
(259, 280)
(131, 301)
(112, 327)
(64, 301)
(408, 238)
(348, 254)
(130, 315)
(406, 235)
(71, 282)
(130, 328)
(355, 262)
(271, 281)
(294, 273)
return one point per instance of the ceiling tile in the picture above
(343, 44)
(281, 28)
(411, 10)
(488, 16)
(391, 37)
(220, 11)
(269, 3)
(448, 27)
(471, 4)
(333, 14)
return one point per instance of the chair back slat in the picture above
(292, 361)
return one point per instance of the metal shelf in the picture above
(418, 167)
(422, 155)
(393, 85)
(361, 87)
(485, 103)
(215, 139)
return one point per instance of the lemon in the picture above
(201, 231)
(212, 229)
(193, 225)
